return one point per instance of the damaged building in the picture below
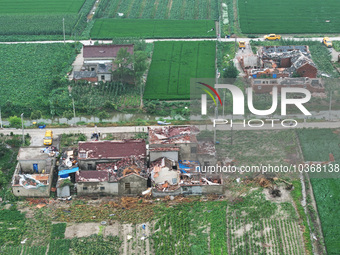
(171, 178)
(314, 85)
(280, 62)
(34, 172)
(126, 177)
(112, 167)
(174, 142)
(90, 154)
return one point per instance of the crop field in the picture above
(35, 17)
(250, 226)
(159, 9)
(29, 73)
(316, 145)
(267, 16)
(36, 6)
(112, 28)
(174, 64)
(108, 95)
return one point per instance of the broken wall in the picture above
(168, 154)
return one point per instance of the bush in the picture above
(15, 122)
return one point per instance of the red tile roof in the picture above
(104, 51)
(111, 149)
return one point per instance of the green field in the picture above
(159, 9)
(111, 28)
(29, 73)
(316, 146)
(39, 6)
(174, 64)
(303, 16)
(35, 17)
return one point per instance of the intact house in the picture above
(112, 167)
(98, 62)
(33, 173)
(279, 61)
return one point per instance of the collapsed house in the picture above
(98, 62)
(112, 167)
(174, 142)
(170, 178)
(314, 85)
(279, 61)
(34, 172)
(127, 176)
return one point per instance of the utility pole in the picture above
(22, 126)
(223, 103)
(64, 29)
(231, 131)
(330, 106)
(74, 109)
(0, 119)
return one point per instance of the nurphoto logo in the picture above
(238, 104)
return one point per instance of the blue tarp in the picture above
(68, 171)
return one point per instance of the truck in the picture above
(241, 44)
(48, 139)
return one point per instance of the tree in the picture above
(36, 115)
(123, 63)
(15, 122)
(140, 66)
(230, 72)
(68, 114)
(102, 115)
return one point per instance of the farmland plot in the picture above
(113, 28)
(304, 16)
(159, 9)
(174, 64)
(252, 225)
(316, 145)
(258, 226)
(29, 73)
(36, 18)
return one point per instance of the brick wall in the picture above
(307, 70)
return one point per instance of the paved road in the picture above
(38, 134)
(88, 42)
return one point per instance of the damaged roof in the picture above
(173, 134)
(124, 167)
(115, 149)
(84, 74)
(104, 51)
(92, 176)
(206, 147)
(162, 162)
